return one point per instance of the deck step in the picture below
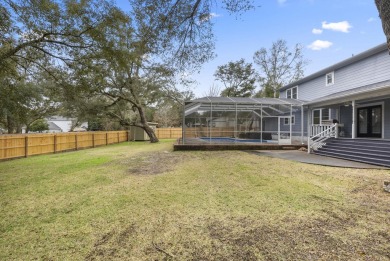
(375, 152)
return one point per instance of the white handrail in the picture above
(317, 141)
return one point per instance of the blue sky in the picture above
(342, 28)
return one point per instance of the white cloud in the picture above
(371, 19)
(343, 26)
(319, 45)
(209, 16)
(214, 15)
(316, 31)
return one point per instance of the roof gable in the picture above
(349, 61)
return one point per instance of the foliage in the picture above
(39, 125)
(239, 78)
(279, 66)
(105, 62)
(23, 102)
(38, 35)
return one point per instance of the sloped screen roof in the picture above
(239, 104)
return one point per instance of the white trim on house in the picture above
(288, 118)
(291, 91)
(331, 82)
(320, 117)
(382, 103)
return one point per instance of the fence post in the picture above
(170, 133)
(26, 146)
(106, 138)
(118, 136)
(55, 143)
(93, 140)
(76, 140)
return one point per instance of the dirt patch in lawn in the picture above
(318, 239)
(245, 239)
(154, 163)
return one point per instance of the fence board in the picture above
(12, 146)
(168, 133)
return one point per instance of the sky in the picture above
(329, 30)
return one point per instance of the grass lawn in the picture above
(141, 201)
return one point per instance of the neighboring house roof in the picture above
(369, 91)
(353, 59)
(53, 126)
(59, 118)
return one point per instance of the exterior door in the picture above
(369, 122)
(284, 137)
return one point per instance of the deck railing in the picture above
(320, 134)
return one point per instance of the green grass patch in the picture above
(142, 201)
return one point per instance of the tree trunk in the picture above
(383, 7)
(10, 124)
(145, 125)
(150, 132)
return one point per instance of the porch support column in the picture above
(302, 124)
(235, 125)
(183, 125)
(211, 121)
(308, 128)
(353, 119)
(290, 124)
(261, 123)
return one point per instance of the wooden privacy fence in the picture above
(24, 145)
(168, 133)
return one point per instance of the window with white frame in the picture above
(329, 79)
(287, 121)
(320, 115)
(292, 93)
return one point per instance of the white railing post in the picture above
(322, 133)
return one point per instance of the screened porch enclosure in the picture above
(224, 120)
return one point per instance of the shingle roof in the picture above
(53, 126)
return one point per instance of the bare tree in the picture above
(279, 66)
(213, 91)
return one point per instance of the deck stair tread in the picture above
(347, 147)
(375, 152)
(368, 161)
(360, 151)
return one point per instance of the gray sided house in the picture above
(341, 111)
(355, 94)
